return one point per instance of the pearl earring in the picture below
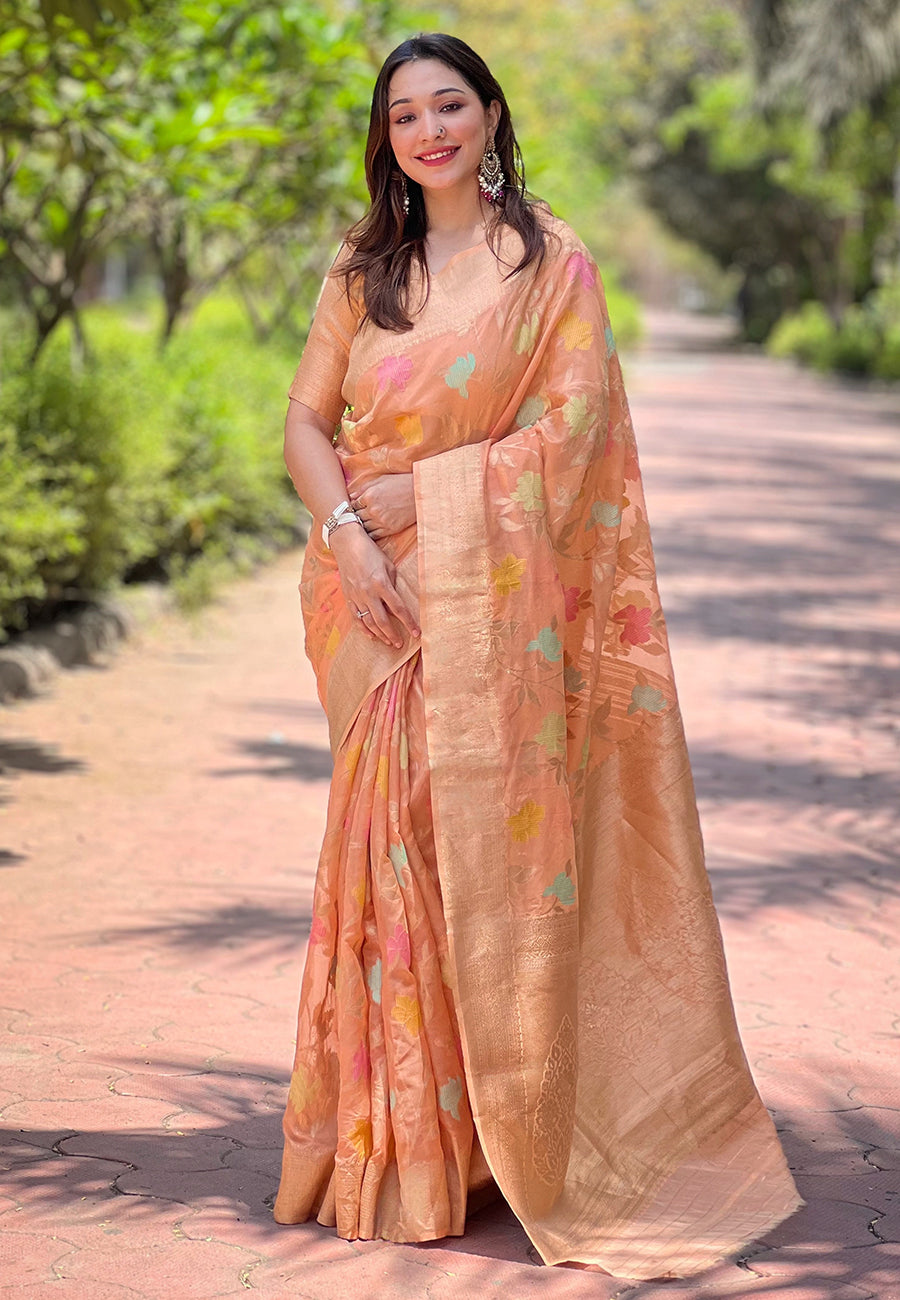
(490, 174)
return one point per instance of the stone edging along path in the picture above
(30, 660)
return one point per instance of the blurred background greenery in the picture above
(175, 176)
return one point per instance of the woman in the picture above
(515, 977)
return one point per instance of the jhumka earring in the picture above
(404, 191)
(490, 175)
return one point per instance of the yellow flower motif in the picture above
(406, 1013)
(552, 734)
(506, 577)
(361, 1138)
(404, 751)
(351, 759)
(410, 428)
(526, 334)
(526, 823)
(576, 334)
(334, 640)
(303, 1089)
(359, 893)
(381, 776)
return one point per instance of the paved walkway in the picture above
(159, 833)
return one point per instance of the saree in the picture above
(515, 978)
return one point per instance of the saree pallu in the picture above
(515, 969)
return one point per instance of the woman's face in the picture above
(438, 125)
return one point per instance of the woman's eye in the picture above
(451, 106)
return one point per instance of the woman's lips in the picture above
(442, 158)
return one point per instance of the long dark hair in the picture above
(383, 245)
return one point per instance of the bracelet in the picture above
(332, 521)
(348, 517)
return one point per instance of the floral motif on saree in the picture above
(515, 964)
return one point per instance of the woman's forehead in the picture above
(424, 79)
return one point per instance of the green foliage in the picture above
(807, 335)
(772, 147)
(624, 313)
(198, 132)
(866, 341)
(38, 531)
(137, 465)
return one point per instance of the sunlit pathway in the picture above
(160, 823)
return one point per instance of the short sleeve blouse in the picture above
(320, 375)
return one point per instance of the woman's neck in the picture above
(450, 213)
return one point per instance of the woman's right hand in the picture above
(369, 582)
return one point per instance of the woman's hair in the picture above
(383, 245)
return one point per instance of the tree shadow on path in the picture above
(214, 1167)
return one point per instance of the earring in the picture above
(404, 194)
(490, 175)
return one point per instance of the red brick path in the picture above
(161, 818)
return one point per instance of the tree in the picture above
(253, 142)
(838, 66)
(64, 184)
(204, 132)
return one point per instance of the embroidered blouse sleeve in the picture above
(320, 376)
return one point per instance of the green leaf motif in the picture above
(575, 414)
(450, 1095)
(648, 698)
(552, 735)
(610, 340)
(374, 980)
(573, 679)
(607, 514)
(562, 889)
(529, 491)
(548, 643)
(531, 410)
(399, 860)
(458, 375)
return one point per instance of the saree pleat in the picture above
(378, 1130)
(515, 976)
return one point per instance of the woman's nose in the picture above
(432, 128)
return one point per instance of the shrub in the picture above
(867, 341)
(134, 464)
(808, 335)
(624, 313)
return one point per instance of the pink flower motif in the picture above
(398, 944)
(571, 595)
(635, 624)
(581, 266)
(360, 1063)
(318, 931)
(395, 370)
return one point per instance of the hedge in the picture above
(138, 465)
(867, 342)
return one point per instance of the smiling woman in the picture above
(515, 983)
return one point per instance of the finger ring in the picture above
(361, 613)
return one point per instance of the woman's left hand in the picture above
(387, 505)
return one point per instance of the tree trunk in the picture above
(172, 259)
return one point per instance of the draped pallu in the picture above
(515, 968)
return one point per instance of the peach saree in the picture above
(515, 970)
